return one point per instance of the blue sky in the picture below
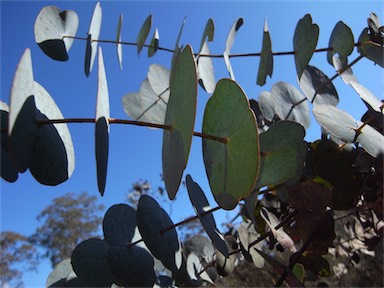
(135, 152)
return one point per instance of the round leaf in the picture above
(346, 74)
(304, 42)
(336, 122)
(22, 128)
(368, 97)
(90, 264)
(51, 26)
(200, 205)
(341, 42)
(317, 87)
(164, 245)
(290, 104)
(53, 159)
(180, 115)
(231, 167)
(119, 224)
(266, 105)
(131, 267)
(59, 274)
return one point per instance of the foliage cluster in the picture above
(290, 192)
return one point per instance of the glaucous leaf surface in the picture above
(368, 97)
(180, 115)
(290, 104)
(143, 34)
(164, 245)
(266, 105)
(266, 58)
(208, 33)
(201, 246)
(93, 36)
(59, 275)
(346, 74)
(372, 51)
(317, 87)
(119, 225)
(90, 264)
(341, 42)
(119, 47)
(154, 45)
(283, 152)
(304, 42)
(22, 112)
(102, 126)
(131, 267)
(53, 159)
(248, 235)
(205, 69)
(231, 167)
(200, 205)
(226, 264)
(229, 43)
(51, 26)
(150, 104)
(336, 122)
(176, 54)
(371, 140)
(195, 269)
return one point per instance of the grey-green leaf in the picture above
(154, 45)
(341, 42)
(119, 47)
(143, 34)
(304, 42)
(102, 126)
(317, 87)
(205, 70)
(93, 35)
(290, 104)
(51, 28)
(266, 58)
(208, 33)
(368, 97)
(229, 43)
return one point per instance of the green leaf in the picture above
(298, 271)
(266, 58)
(290, 104)
(180, 115)
(208, 33)
(283, 152)
(341, 42)
(119, 224)
(164, 245)
(176, 54)
(229, 43)
(317, 87)
(131, 267)
(102, 126)
(304, 42)
(154, 45)
(143, 34)
(93, 36)
(200, 205)
(231, 167)
(372, 51)
(51, 26)
(119, 47)
(90, 264)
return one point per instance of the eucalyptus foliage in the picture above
(254, 153)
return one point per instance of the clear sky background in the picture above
(135, 152)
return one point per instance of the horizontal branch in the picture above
(128, 122)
